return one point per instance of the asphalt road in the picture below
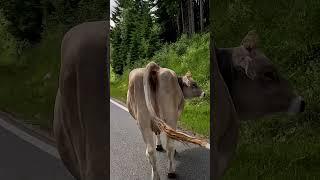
(127, 153)
(22, 160)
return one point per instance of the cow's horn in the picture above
(250, 41)
(188, 74)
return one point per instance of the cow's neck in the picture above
(224, 58)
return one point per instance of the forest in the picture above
(142, 27)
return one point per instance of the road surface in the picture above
(127, 153)
(24, 157)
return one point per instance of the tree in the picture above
(24, 17)
(177, 17)
(117, 55)
(190, 17)
(167, 14)
(135, 35)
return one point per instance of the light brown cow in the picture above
(158, 94)
(81, 111)
(254, 88)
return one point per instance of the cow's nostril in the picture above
(302, 106)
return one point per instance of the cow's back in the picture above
(168, 95)
(80, 119)
(225, 122)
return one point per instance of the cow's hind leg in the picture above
(150, 151)
(158, 142)
(170, 153)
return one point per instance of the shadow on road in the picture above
(193, 164)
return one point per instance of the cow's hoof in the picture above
(159, 148)
(172, 175)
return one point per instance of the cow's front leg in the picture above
(158, 143)
(170, 153)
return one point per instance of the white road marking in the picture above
(126, 109)
(35, 141)
(30, 139)
(119, 105)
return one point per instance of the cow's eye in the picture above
(194, 85)
(270, 76)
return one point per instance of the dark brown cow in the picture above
(81, 110)
(254, 89)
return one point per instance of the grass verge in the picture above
(28, 86)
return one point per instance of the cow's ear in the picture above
(250, 41)
(188, 74)
(246, 64)
(186, 81)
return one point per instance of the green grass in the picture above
(23, 90)
(182, 56)
(119, 86)
(277, 148)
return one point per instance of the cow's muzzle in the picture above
(297, 105)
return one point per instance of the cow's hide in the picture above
(81, 108)
(225, 121)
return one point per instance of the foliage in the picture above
(25, 90)
(30, 37)
(24, 17)
(134, 36)
(167, 10)
(8, 44)
(141, 27)
(27, 19)
(92, 10)
(173, 17)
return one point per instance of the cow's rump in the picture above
(81, 110)
(225, 122)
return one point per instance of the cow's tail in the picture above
(150, 83)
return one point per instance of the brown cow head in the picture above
(189, 87)
(254, 83)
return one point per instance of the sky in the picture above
(112, 5)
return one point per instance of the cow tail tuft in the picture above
(150, 83)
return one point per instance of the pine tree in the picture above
(25, 18)
(135, 36)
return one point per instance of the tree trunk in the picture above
(178, 21)
(191, 18)
(201, 16)
(182, 17)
